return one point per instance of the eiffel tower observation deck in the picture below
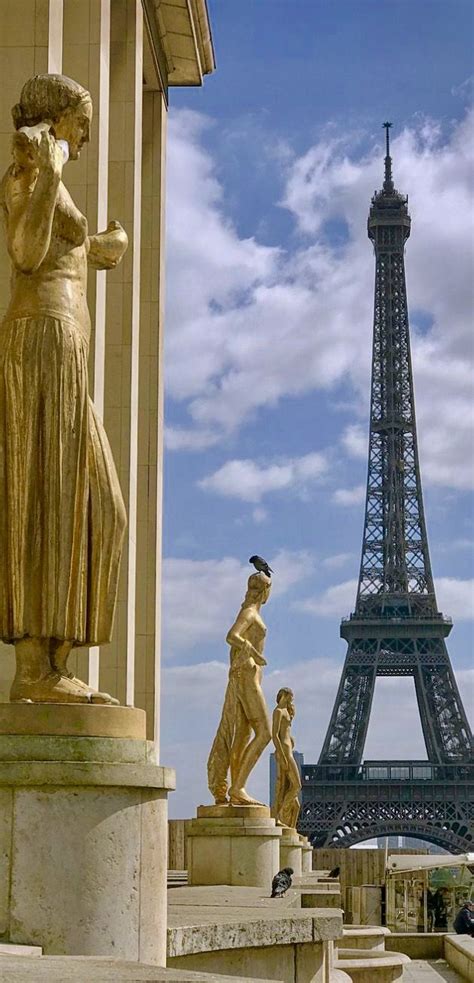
(396, 628)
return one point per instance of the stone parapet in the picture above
(417, 945)
(459, 953)
(320, 899)
(243, 931)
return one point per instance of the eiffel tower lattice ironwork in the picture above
(396, 628)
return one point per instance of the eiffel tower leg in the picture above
(443, 719)
(345, 738)
(428, 724)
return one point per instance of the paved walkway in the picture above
(430, 971)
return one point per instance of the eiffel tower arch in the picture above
(396, 628)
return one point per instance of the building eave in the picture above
(184, 33)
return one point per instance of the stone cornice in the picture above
(182, 30)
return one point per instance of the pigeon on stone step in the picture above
(281, 882)
(334, 872)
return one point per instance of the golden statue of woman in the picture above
(286, 807)
(244, 728)
(62, 517)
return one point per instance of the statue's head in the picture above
(284, 698)
(58, 100)
(258, 588)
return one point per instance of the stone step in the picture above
(431, 971)
(364, 938)
(371, 966)
(90, 969)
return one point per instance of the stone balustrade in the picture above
(459, 953)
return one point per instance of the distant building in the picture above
(408, 843)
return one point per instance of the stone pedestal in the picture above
(290, 850)
(306, 855)
(83, 832)
(235, 845)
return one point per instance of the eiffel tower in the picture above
(396, 628)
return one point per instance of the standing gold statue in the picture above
(286, 807)
(62, 517)
(244, 728)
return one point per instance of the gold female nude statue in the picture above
(244, 728)
(62, 517)
(286, 807)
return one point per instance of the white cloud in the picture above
(337, 601)
(290, 567)
(456, 597)
(259, 515)
(250, 481)
(187, 439)
(248, 324)
(337, 560)
(202, 597)
(355, 440)
(349, 496)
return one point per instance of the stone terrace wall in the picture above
(177, 859)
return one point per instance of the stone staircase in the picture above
(361, 955)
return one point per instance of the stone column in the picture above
(150, 416)
(306, 855)
(290, 850)
(23, 53)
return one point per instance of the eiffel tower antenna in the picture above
(396, 628)
(388, 182)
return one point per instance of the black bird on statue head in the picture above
(261, 565)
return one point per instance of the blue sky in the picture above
(271, 166)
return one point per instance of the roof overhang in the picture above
(180, 37)
(413, 862)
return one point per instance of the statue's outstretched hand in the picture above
(106, 249)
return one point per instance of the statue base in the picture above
(83, 835)
(73, 720)
(306, 855)
(291, 850)
(233, 812)
(234, 845)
